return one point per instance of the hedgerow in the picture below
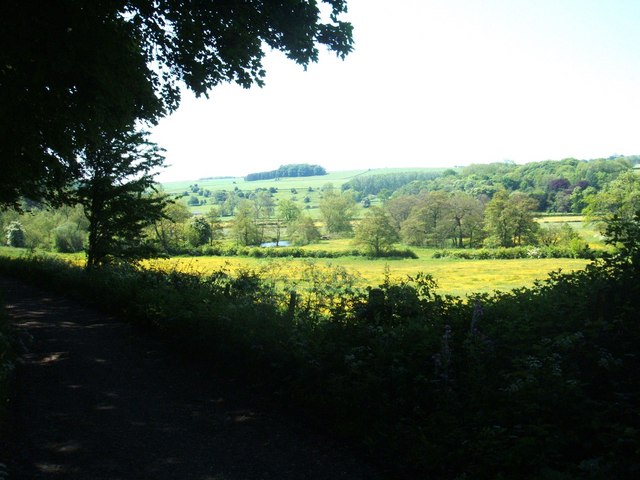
(540, 382)
(292, 252)
(507, 253)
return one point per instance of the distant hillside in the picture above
(291, 170)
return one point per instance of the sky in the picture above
(430, 83)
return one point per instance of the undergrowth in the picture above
(7, 365)
(540, 382)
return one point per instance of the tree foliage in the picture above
(374, 184)
(68, 238)
(509, 219)
(116, 192)
(303, 231)
(245, 228)
(427, 223)
(620, 197)
(72, 71)
(290, 170)
(375, 231)
(15, 235)
(167, 230)
(199, 232)
(337, 210)
(215, 225)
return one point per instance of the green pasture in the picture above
(337, 178)
(589, 231)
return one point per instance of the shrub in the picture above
(15, 235)
(67, 238)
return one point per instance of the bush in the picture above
(15, 235)
(67, 238)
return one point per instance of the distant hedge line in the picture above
(503, 253)
(292, 252)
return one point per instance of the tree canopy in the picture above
(115, 192)
(291, 170)
(375, 232)
(74, 70)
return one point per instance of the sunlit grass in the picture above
(454, 276)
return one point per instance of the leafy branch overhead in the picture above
(73, 70)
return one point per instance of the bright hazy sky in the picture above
(430, 83)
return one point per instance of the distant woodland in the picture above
(291, 170)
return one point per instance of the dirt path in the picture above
(97, 400)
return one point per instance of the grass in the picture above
(299, 183)
(454, 276)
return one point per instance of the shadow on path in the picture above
(96, 400)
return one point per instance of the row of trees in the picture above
(438, 218)
(557, 186)
(290, 170)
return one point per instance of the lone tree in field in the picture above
(75, 71)
(375, 231)
(116, 190)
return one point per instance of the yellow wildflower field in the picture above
(454, 276)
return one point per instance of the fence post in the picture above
(293, 299)
(375, 305)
